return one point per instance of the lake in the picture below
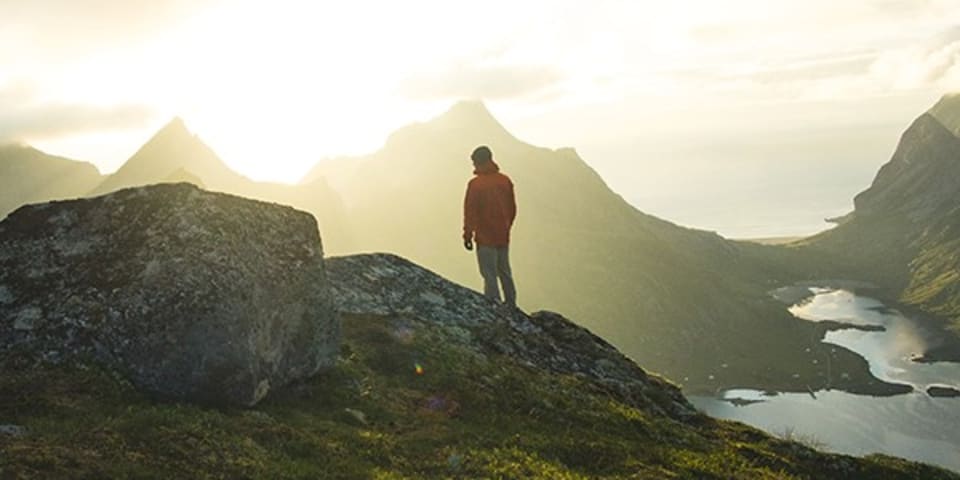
(914, 425)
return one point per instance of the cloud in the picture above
(57, 30)
(865, 71)
(23, 118)
(933, 63)
(787, 69)
(486, 82)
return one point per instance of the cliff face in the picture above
(189, 294)
(921, 180)
(905, 231)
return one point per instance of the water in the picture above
(914, 425)
(890, 353)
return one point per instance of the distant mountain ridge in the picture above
(921, 179)
(28, 175)
(173, 148)
(175, 154)
(947, 112)
(904, 232)
(682, 302)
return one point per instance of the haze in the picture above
(751, 118)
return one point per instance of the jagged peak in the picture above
(174, 134)
(176, 127)
(470, 108)
(468, 121)
(173, 146)
(947, 112)
(470, 114)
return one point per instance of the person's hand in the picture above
(468, 244)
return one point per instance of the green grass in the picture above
(466, 416)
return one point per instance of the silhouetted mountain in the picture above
(171, 149)
(175, 154)
(922, 178)
(28, 175)
(905, 230)
(683, 302)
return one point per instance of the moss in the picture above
(463, 416)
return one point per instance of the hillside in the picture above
(905, 230)
(686, 303)
(466, 416)
(28, 175)
(430, 380)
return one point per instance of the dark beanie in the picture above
(481, 154)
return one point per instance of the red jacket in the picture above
(489, 207)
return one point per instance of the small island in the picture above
(943, 391)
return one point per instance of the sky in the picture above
(749, 117)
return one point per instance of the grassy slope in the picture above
(464, 417)
(934, 283)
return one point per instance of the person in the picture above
(489, 209)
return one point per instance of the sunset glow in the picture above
(275, 87)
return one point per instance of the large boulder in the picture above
(189, 294)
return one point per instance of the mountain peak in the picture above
(470, 108)
(172, 148)
(947, 112)
(176, 127)
(471, 115)
(467, 122)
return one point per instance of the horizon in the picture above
(680, 108)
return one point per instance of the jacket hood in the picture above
(487, 168)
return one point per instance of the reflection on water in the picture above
(913, 426)
(889, 352)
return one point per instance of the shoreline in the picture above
(861, 381)
(944, 345)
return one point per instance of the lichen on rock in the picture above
(190, 294)
(389, 286)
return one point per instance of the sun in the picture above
(270, 88)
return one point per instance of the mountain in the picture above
(28, 175)
(428, 379)
(904, 232)
(685, 303)
(174, 154)
(171, 149)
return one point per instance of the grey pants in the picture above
(495, 263)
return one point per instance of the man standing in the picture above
(488, 213)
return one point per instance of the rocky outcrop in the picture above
(921, 179)
(187, 293)
(389, 286)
